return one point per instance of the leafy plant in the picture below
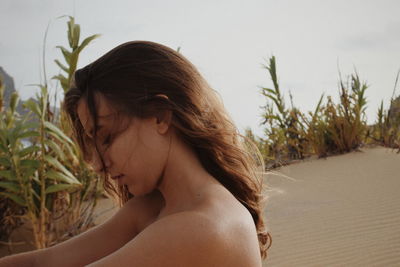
(331, 128)
(316, 131)
(31, 167)
(78, 216)
(71, 55)
(284, 129)
(346, 122)
(386, 131)
(41, 169)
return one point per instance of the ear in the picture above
(163, 118)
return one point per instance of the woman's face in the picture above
(134, 150)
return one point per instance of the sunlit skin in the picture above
(184, 217)
(189, 195)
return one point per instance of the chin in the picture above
(140, 191)
(137, 191)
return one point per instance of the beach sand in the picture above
(339, 211)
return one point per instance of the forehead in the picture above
(103, 107)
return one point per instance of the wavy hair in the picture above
(131, 76)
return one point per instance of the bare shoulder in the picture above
(237, 229)
(189, 238)
(143, 209)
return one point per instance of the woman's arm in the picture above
(89, 246)
(26, 259)
(82, 249)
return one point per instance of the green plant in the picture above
(284, 129)
(346, 122)
(331, 128)
(71, 55)
(41, 169)
(32, 163)
(10, 211)
(316, 131)
(78, 215)
(386, 131)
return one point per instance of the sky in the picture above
(229, 41)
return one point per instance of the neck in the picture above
(183, 178)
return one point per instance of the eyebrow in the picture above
(90, 133)
(106, 115)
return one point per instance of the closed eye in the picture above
(107, 140)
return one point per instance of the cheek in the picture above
(134, 153)
(140, 154)
(155, 155)
(123, 148)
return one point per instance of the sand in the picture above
(339, 211)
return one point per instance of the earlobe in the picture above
(162, 95)
(164, 121)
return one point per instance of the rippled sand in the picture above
(339, 211)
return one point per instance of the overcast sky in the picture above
(227, 40)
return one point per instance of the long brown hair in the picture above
(131, 75)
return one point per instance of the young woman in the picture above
(190, 190)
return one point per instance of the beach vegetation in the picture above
(331, 128)
(44, 183)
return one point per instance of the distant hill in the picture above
(9, 86)
(10, 89)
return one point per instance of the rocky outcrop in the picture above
(9, 89)
(8, 82)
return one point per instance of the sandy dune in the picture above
(339, 211)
